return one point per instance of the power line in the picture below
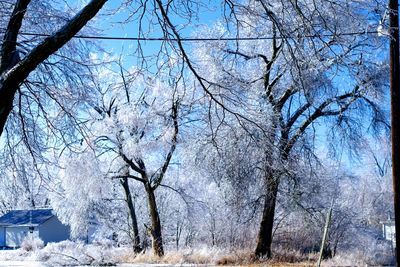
(188, 39)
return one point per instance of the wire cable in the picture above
(195, 39)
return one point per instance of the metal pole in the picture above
(395, 117)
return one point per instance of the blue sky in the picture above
(119, 25)
(112, 26)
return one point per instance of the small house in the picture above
(15, 225)
(389, 231)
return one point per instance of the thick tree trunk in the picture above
(6, 103)
(264, 240)
(11, 77)
(155, 230)
(132, 215)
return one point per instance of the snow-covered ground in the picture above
(69, 253)
(61, 254)
(21, 263)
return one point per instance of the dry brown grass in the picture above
(281, 258)
(207, 256)
(187, 256)
(289, 256)
(239, 257)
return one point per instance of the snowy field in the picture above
(76, 254)
(21, 263)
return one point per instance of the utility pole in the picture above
(325, 235)
(395, 117)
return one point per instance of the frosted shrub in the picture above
(103, 242)
(69, 253)
(371, 252)
(379, 253)
(32, 243)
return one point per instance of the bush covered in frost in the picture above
(32, 243)
(69, 253)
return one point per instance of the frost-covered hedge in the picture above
(69, 253)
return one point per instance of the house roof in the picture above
(26, 217)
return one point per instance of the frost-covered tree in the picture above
(45, 81)
(305, 201)
(79, 189)
(136, 128)
(21, 55)
(86, 197)
(22, 187)
(304, 76)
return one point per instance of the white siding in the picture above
(53, 231)
(15, 235)
(389, 233)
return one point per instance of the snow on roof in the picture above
(26, 217)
